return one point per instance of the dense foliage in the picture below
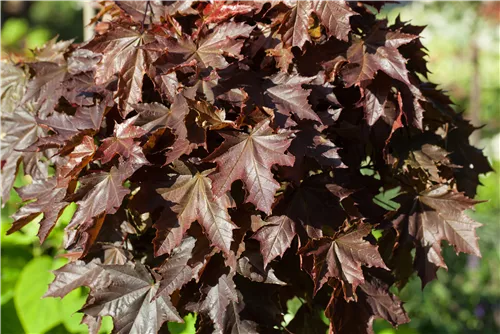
(276, 126)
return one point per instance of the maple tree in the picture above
(224, 158)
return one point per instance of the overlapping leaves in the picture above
(214, 150)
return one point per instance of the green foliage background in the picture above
(465, 299)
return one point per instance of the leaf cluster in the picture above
(224, 158)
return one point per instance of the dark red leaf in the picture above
(256, 152)
(127, 294)
(374, 301)
(194, 200)
(275, 237)
(435, 215)
(341, 257)
(377, 52)
(49, 198)
(21, 131)
(122, 56)
(102, 193)
(209, 50)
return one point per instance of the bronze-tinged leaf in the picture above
(70, 128)
(282, 55)
(249, 157)
(129, 296)
(123, 144)
(49, 200)
(275, 237)
(429, 158)
(169, 232)
(209, 116)
(52, 51)
(233, 323)
(93, 323)
(219, 11)
(14, 81)
(194, 200)
(102, 193)
(77, 160)
(435, 215)
(341, 257)
(74, 275)
(178, 270)
(377, 52)
(114, 255)
(290, 97)
(122, 56)
(19, 131)
(154, 116)
(250, 265)
(334, 16)
(226, 157)
(294, 29)
(376, 97)
(373, 301)
(208, 51)
(216, 300)
(45, 87)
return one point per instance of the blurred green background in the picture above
(464, 49)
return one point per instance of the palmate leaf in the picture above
(208, 50)
(249, 157)
(178, 269)
(376, 97)
(102, 193)
(49, 201)
(122, 143)
(429, 158)
(377, 52)
(217, 298)
(435, 215)
(69, 128)
(77, 160)
(250, 265)
(273, 126)
(19, 131)
(14, 80)
(129, 296)
(275, 237)
(294, 29)
(233, 322)
(122, 56)
(209, 116)
(342, 257)
(195, 201)
(373, 301)
(290, 97)
(155, 116)
(46, 87)
(333, 15)
(72, 276)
